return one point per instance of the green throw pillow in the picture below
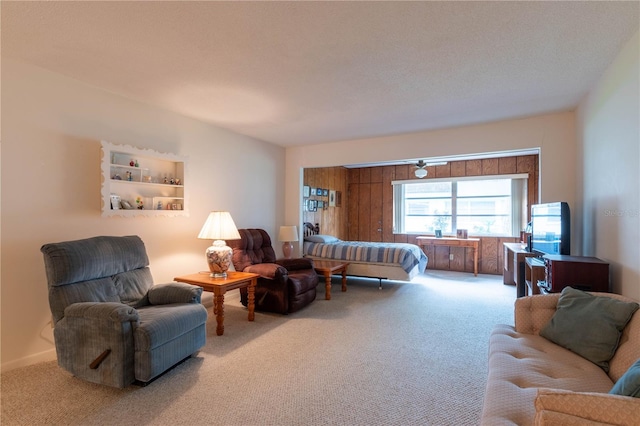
(629, 383)
(589, 325)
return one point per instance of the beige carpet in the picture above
(410, 354)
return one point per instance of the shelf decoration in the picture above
(142, 182)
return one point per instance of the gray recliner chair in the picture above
(111, 324)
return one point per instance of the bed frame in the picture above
(377, 270)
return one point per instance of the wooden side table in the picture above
(328, 268)
(219, 286)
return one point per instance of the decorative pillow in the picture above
(629, 383)
(321, 239)
(589, 325)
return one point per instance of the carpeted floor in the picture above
(410, 354)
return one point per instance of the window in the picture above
(487, 205)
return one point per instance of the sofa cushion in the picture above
(629, 383)
(520, 363)
(589, 325)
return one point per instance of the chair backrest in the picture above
(97, 269)
(253, 247)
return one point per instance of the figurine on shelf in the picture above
(166, 180)
(129, 176)
(132, 163)
(136, 164)
(177, 181)
(140, 203)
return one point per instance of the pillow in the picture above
(629, 383)
(589, 325)
(321, 239)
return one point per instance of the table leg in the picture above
(475, 261)
(251, 299)
(219, 311)
(344, 279)
(327, 285)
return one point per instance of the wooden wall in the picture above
(367, 209)
(332, 220)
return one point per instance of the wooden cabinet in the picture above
(582, 272)
(534, 273)
(142, 182)
(514, 267)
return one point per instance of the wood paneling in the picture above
(352, 226)
(507, 165)
(364, 211)
(369, 206)
(473, 168)
(375, 221)
(490, 166)
(332, 220)
(388, 176)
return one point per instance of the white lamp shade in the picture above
(288, 233)
(219, 226)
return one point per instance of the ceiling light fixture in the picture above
(420, 169)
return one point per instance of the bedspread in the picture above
(408, 256)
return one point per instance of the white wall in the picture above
(608, 123)
(52, 127)
(553, 134)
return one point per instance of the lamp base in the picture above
(219, 259)
(287, 249)
(218, 275)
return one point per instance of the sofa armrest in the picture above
(560, 407)
(164, 294)
(113, 311)
(532, 313)
(296, 264)
(270, 271)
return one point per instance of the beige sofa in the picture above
(534, 381)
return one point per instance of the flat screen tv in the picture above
(551, 228)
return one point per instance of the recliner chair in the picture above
(111, 324)
(284, 285)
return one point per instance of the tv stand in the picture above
(514, 267)
(533, 272)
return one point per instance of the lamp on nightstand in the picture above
(288, 234)
(219, 227)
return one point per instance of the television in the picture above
(551, 228)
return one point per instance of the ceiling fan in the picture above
(420, 169)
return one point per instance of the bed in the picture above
(391, 261)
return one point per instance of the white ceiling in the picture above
(295, 73)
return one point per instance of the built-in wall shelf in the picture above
(142, 182)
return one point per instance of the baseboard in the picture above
(49, 355)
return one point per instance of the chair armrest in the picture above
(296, 264)
(532, 313)
(113, 311)
(164, 294)
(268, 270)
(560, 407)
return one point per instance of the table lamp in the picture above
(219, 227)
(288, 234)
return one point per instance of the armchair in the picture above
(285, 285)
(111, 324)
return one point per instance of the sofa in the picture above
(533, 379)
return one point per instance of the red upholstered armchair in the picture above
(285, 285)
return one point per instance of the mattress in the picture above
(409, 257)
